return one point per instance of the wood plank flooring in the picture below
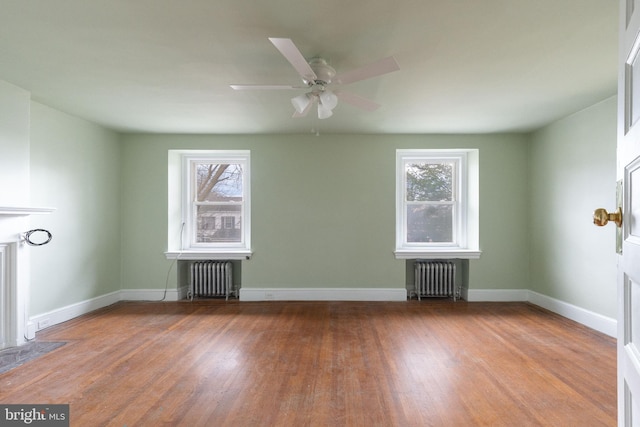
(428, 363)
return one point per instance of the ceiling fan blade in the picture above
(383, 66)
(295, 58)
(357, 100)
(265, 87)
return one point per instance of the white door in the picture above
(629, 174)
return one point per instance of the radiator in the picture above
(210, 279)
(435, 279)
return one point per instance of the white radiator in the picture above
(211, 279)
(435, 279)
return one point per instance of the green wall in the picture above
(573, 172)
(14, 146)
(75, 168)
(323, 209)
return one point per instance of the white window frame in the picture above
(465, 225)
(182, 228)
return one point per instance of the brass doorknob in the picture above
(602, 217)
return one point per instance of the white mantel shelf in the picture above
(24, 211)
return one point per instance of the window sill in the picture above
(437, 254)
(210, 255)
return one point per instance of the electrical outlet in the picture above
(44, 323)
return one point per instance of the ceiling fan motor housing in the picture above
(324, 72)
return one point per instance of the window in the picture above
(217, 188)
(214, 204)
(436, 206)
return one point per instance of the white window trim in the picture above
(468, 188)
(179, 207)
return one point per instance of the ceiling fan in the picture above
(317, 75)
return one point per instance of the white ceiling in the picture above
(466, 66)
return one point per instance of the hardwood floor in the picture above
(217, 363)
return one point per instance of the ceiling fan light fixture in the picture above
(329, 99)
(301, 102)
(324, 112)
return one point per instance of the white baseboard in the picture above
(593, 320)
(42, 321)
(499, 295)
(588, 318)
(323, 294)
(596, 321)
(153, 294)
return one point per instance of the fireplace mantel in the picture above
(15, 279)
(24, 211)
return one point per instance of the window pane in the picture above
(218, 182)
(429, 223)
(221, 223)
(430, 182)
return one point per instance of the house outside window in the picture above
(437, 204)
